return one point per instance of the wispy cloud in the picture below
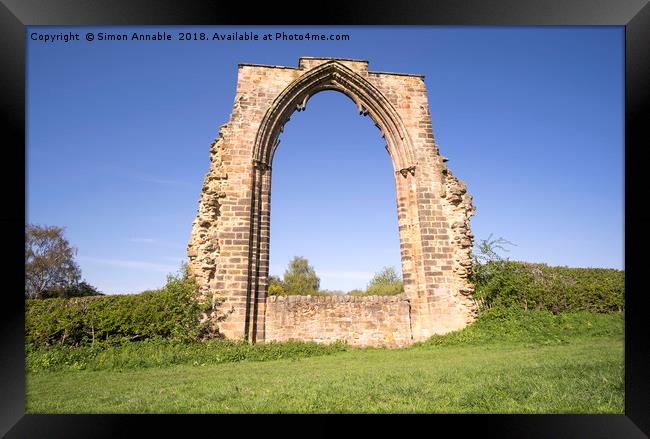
(164, 181)
(143, 240)
(136, 265)
(356, 275)
(160, 243)
(148, 178)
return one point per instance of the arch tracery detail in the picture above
(368, 100)
(229, 246)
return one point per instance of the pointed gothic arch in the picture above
(369, 101)
(229, 247)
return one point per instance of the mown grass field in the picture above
(508, 362)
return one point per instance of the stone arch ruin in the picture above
(229, 245)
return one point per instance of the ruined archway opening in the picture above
(333, 195)
(229, 247)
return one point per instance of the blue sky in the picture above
(531, 118)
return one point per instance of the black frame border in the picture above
(15, 15)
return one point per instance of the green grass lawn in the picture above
(526, 363)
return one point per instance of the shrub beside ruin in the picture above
(505, 283)
(170, 312)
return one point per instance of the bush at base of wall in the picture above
(168, 312)
(556, 289)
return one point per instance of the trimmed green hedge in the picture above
(556, 289)
(169, 312)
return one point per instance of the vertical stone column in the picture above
(265, 248)
(410, 246)
(434, 227)
(258, 252)
(444, 227)
(226, 230)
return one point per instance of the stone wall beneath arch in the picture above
(378, 321)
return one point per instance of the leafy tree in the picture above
(486, 260)
(300, 277)
(331, 293)
(49, 261)
(82, 289)
(385, 283)
(356, 292)
(486, 249)
(386, 276)
(276, 286)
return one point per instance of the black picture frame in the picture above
(15, 15)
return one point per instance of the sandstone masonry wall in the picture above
(380, 321)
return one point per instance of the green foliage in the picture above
(486, 249)
(300, 278)
(487, 260)
(498, 326)
(385, 289)
(276, 286)
(171, 311)
(386, 276)
(504, 283)
(514, 325)
(356, 292)
(159, 352)
(556, 289)
(276, 290)
(331, 293)
(81, 289)
(386, 282)
(509, 361)
(583, 376)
